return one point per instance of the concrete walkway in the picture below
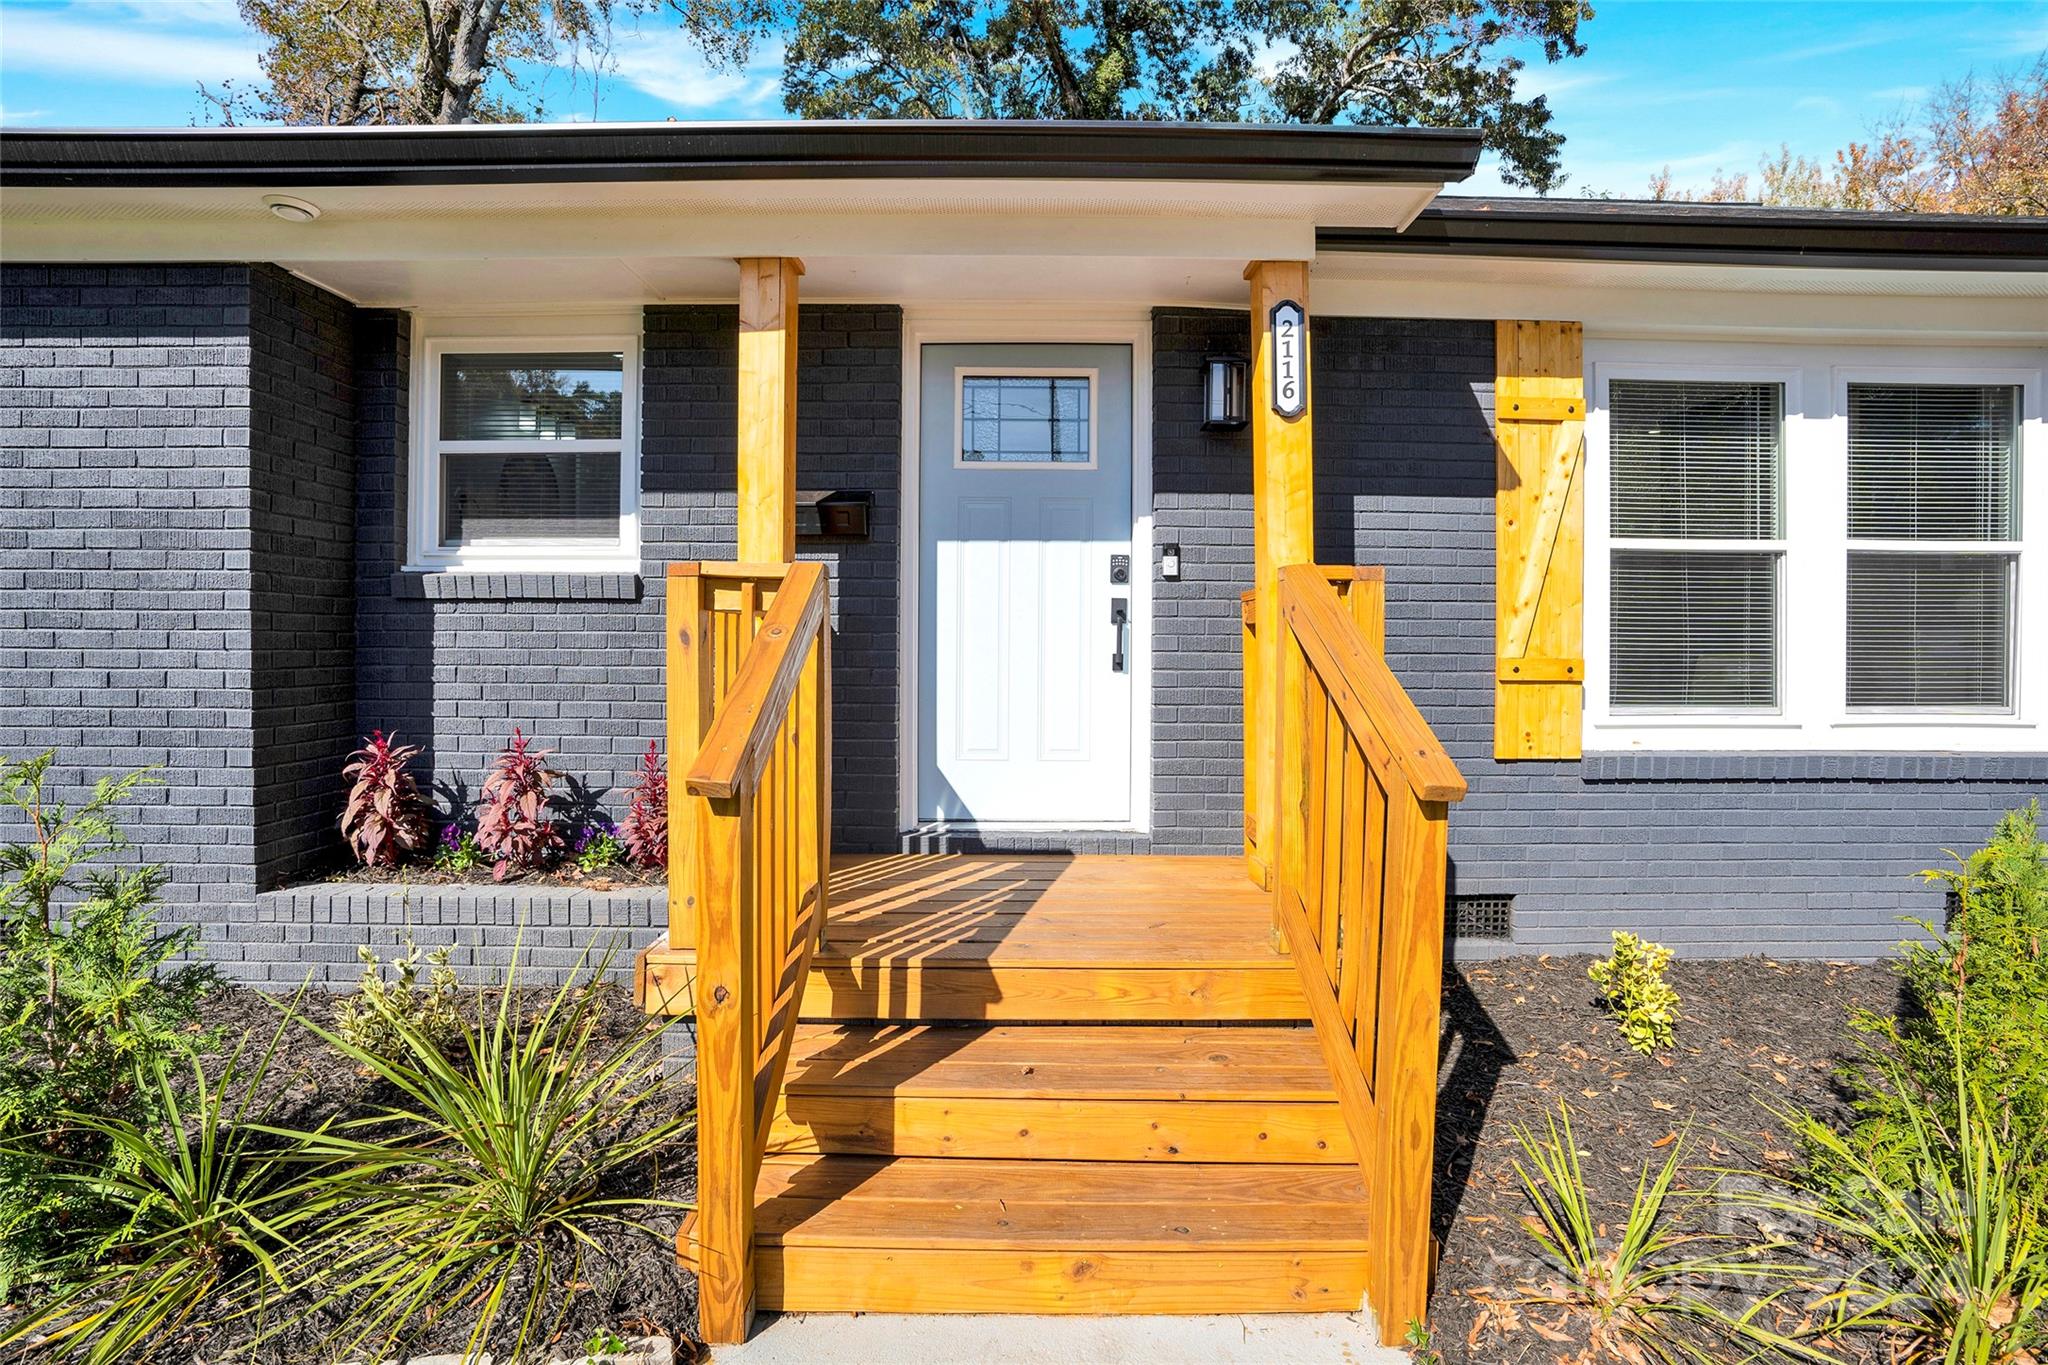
(946, 1339)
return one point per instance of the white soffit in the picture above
(559, 283)
(721, 219)
(1650, 297)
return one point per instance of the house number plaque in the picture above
(1290, 359)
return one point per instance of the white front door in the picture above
(1024, 481)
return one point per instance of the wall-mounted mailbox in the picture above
(840, 513)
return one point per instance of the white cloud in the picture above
(1819, 104)
(113, 42)
(17, 117)
(664, 63)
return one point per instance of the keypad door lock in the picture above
(1119, 569)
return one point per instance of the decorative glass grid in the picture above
(1024, 419)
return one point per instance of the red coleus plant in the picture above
(386, 817)
(645, 833)
(513, 827)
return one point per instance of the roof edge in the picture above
(540, 153)
(1707, 234)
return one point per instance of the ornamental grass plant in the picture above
(485, 1177)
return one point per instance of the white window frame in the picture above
(526, 554)
(1813, 713)
(965, 372)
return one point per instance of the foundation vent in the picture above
(1490, 917)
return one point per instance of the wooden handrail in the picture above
(1360, 682)
(746, 723)
(1358, 862)
(750, 705)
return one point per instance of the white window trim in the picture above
(963, 373)
(424, 552)
(1813, 715)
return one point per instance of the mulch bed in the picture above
(1523, 1034)
(631, 1284)
(611, 877)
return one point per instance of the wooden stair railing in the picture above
(1358, 877)
(749, 650)
(1362, 589)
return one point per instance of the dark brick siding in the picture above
(302, 437)
(202, 522)
(1791, 855)
(124, 550)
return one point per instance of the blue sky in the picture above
(1698, 85)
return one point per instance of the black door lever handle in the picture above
(1119, 616)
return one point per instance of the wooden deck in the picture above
(1037, 938)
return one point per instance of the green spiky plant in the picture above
(1642, 1295)
(500, 1158)
(207, 1203)
(1947, 1212)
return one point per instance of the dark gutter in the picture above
(526, 153)
(1711, 234)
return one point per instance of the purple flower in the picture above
(451, 837)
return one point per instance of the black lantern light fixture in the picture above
(1226, 392)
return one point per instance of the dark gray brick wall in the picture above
(1791, 855)
(581, 670)
(302, 567)
(125, 551)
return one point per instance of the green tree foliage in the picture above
(89, 998)
(1974, 146)
(413, 61)
(1427, 62)
(1436, 63)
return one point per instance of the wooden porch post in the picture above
(767, 409)
(1283, 532)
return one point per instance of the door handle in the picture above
(1120, 617)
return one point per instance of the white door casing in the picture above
(1022, 717)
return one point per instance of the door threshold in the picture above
(949, 827)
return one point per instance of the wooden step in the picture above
(920, 1235)
(989, 937)
(1061, 1092)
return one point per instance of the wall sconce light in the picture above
(1226, 391)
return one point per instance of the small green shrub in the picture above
(1979, 991)
(371, 1019)
(1633, 985)
(90, 998)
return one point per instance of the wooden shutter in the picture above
(1539, 404)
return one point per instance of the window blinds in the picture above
(1694, 626)
(1930, 625)
(1695, 460)
(1931, 461)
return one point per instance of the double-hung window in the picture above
(1815, 548)
(1934, 544)
(1696, 522)
(528, 455)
